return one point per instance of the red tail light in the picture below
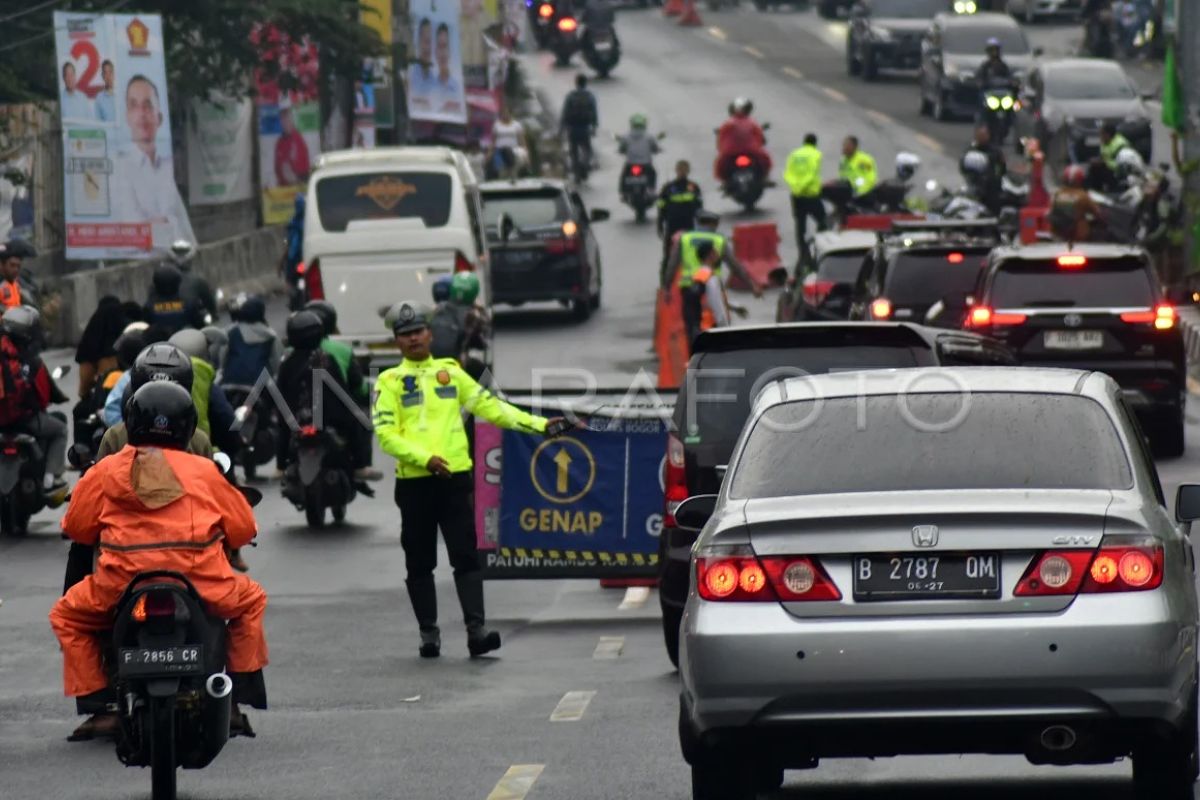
(675, 479)
(742, 161)
(545, 11)
(9, 450)
(154, 604)
(557, 247)
(1072, 261)
(815, 290)
(313, 285)
(982, 317)
(955, 258)
(1122, 564)
(636, 169)
(1162, 318)
(881, 309)
(462, 263)
(567, 24)
(740, 576)
(308, 431)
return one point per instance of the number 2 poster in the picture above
(119, 175)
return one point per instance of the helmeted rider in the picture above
(253, 346)
(1073, 212)
(194, 286)
(994, 70)
(29, 392)
(983, 167)
(639, 147)
(166, 304)
(740, 135)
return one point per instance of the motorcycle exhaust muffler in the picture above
(219, 685)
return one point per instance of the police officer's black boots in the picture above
(470, 594)
(423, 594)
(431, 642)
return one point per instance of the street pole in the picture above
(401, 37)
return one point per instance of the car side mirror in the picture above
(599, 215)
(1187, 503)
(505, 226)
(695, 512)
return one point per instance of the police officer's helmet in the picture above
(410, 316)
(464, 288)
(441, 289)
(305, 330)
(907, 165)
(21, 323)
(252, 308)
(975, 163)
(993, 46)
(1129, 162)
(192, 342)
(161, 362)
(325, 310)
(161, 414)
(167, 280)
(706, 217)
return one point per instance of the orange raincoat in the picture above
(151, 509)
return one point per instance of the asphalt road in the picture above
(355, 714)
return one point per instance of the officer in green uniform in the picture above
(803, 177)
(418, 419)
(857, 167)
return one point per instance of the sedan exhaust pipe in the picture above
(1058, 738)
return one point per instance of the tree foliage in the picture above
(208, 41)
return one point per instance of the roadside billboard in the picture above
(436, 90)
(378, 75)
(289, 119)
(20, 129)
(219, 146)
(121, 198)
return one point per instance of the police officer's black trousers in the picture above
(802, 209)
(425, 505)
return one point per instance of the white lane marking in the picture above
(635, 597)
(931, 143)
(572, 706)
(717, 33)
(880, 117)
(609, 647)
(834, 94)
(792, 72)
(517, 782)
(753, 51)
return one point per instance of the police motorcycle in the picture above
(638, 189)
(889, 196)
(746, 180)
(22, 472)
(999, 104)
(320, 475)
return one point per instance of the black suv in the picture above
(541, 244)
(737, 362)
(1095, 307)
(887, 34)
(924, 272)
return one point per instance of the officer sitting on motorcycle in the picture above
(29, 391)
(983, 167)
(639, 147)
(1118, 160)
(993, 71)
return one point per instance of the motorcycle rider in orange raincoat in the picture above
(154, 506)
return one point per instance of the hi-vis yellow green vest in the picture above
(418, 414)
(803, 171)
(859, 169)
(689, 260)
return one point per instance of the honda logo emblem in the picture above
(925, 535)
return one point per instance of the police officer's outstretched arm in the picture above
(482, 403)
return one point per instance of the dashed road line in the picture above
(930, 142)
(517, 782)
(635, 597)
(880, 117)
(753, 51)
(609, 647)
(834, 94)
(717, 33)
(572, 706)
(792, 72)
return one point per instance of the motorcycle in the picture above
(999, 104)
(601, 49)
(637, 189)
(320, 476)
(565, 40)
(254, 428)
(886, 197)
(541, 21)
(22, 471)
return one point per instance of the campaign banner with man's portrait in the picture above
(289, 120)
(121, 199)
(436, 90)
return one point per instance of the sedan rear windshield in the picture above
(1088, 83)
(917, 442)
(973, 39)
(908, 9)
(1108, 283)
(841, 267)
(343, 199)
(916, 278)
(714, 402)
(527, 209)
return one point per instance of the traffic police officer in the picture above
(685, 257)
(803, 177)
(857, 167)
(418, 419)
(678, 203)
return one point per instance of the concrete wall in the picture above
(248, 262)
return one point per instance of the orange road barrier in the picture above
(672, 8)
(757, 247)
(670, 338)
(690, 18)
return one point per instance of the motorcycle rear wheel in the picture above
(160, 731)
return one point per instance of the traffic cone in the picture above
(672, 8)
(690, 17)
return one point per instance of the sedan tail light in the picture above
(1121, 564)
(675, 479)
(983, 317)
(559, 246)
(311, 276)
(1162, 318)
(736, 574)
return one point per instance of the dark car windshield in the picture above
(527, 209)
(973, 39)
(1108, 283)
(840, 267)
(909, 9)
(715, 401)
(931, 442)
(1088, 83)
(924, 278)
(342, 199)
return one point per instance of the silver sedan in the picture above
(940, 561)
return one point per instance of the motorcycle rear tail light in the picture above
(635, 170)
(308, 431)
(545, 11)
(742, 161)
(567, 24)
(154, 604)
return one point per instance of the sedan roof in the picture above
(523, 185)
